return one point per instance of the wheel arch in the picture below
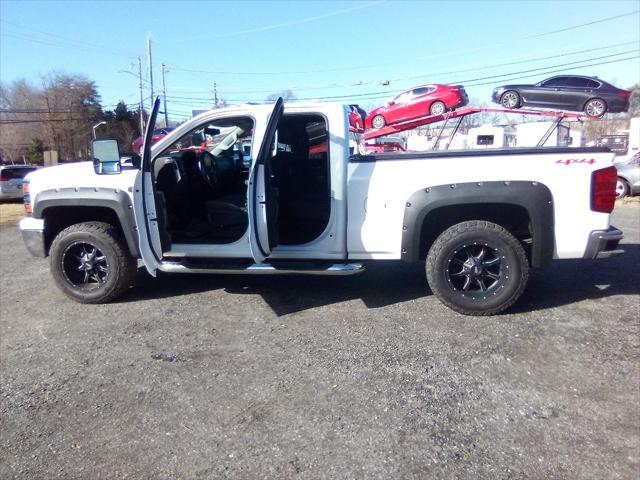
(523, 207)
(60, 208)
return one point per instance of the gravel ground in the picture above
(294, 377)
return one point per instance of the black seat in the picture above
(190, 194)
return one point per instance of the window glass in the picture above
(219, 144)
(403, 97)
(485, 140)
(593, 84)
(421, 91)
(10, 173)
(216, 136)
(556, 82)
(578, 82)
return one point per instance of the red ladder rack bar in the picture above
(461, 112)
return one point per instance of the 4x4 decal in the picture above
(570, 161)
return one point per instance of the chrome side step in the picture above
(266, 269)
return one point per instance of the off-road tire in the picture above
(512, 268)
(121, 266)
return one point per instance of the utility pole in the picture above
(141, 108)
(164, 97)
(150, 70)
(215, 95)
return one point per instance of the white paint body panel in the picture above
(368, 199)
(378, 192)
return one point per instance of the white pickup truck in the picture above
(309, 204)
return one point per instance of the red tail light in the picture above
(4, 178)
(603, 189)
(624, 94)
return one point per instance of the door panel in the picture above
(144, 203)
(550, 93)
(574, 95)
(263, 195)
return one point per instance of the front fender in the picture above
(113, 199)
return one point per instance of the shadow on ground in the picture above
(569, 281)
(380, 285)
(387, 283)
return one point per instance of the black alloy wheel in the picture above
(477, 268)
(84, 266)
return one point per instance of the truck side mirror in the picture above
(106, 157)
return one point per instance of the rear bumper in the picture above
(604, 243)
(33, 236)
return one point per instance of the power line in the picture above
(40, 110)
(584, 24)
(422, 75)
(83, 43)
(278, 25)
(562, 70)
(10, 122)
(542, 70)
(328, 70)
(550, 66)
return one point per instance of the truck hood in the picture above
(73, 169)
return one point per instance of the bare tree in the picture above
(73, 105)
(20, 114)
(287, 96)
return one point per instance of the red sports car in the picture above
(158, 133)
(418, 102)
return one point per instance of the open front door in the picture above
(144, 203)
(263, 195)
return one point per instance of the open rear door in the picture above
(263, 195)
(144, 203)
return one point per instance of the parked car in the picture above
(566, 92)
(628, 177)
(418, 102)
(158, 134)
(11, 180)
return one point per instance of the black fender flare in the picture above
(534, 197)
(116, 200)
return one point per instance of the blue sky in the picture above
(316, 49)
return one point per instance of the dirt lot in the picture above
(11, 213)
(360, 377)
